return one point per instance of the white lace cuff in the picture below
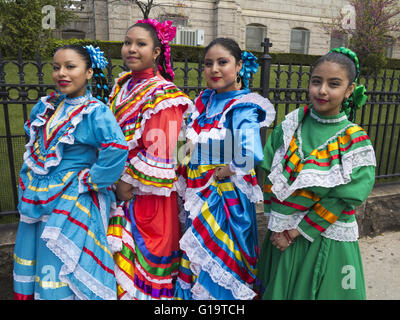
(339, 231)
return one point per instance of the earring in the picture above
(238, 78)
(155, 66)
(88, 87)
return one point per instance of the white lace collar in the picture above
(78, 100)
(328, 119)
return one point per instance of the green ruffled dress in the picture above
(318, 169)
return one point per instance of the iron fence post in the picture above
(373, 118)
(265, 67)
(264, 84)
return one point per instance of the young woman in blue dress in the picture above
(76, 150)
(217, 180)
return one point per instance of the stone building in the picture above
(291, 25)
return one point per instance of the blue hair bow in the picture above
(250, 66)
(98, 61)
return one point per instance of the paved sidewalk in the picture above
(380, 254)
(381, 261)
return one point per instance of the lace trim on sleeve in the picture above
(336, 175)
(339, 231)
(151, 168)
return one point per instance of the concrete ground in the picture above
(380, 254)
(381, 260)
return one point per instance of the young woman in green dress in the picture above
(320, 166)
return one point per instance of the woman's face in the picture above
(70, 73)
(138, 50)
(328, 87)
(221, 69)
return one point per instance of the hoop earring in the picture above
(238, 78)
(88, 87)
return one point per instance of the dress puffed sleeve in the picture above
(36, 110)
(102, 131)
(246, 132)
(274, 141)
(340, 199)
(152, 169)
(271, 146)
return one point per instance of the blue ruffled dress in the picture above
(75, 152)
(220, 243)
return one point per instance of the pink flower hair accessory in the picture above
(165, 33)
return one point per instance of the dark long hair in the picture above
(230, 45)
(341, 60)
(347, 64)
(160, 61)
(100, 88)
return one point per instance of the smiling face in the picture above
(138, 50)
(328, 87)
(221, 69)
(70, 73)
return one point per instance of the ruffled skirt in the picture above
(220, 243)
(61, 249)
(144, 236)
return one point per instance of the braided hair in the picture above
(100, 88)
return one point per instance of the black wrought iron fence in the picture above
(22, 83)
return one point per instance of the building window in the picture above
(389, 47)
(299, 41)
(73, 34)
(77, 5)
(338, 40)
(255, 35)
(177, 20)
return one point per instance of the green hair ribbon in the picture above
(358, 97)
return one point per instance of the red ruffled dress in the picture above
(144, 233)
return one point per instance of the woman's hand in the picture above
(222, 172)
(189, 146)
(279, 241)
(282, 240)
(124, 191)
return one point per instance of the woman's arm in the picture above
(103, 132)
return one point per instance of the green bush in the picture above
(194, 53)
(113, 48)
(373, 63)
(55, 43)
(393, 64)
(294, 58)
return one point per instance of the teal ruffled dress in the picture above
(75, 152)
